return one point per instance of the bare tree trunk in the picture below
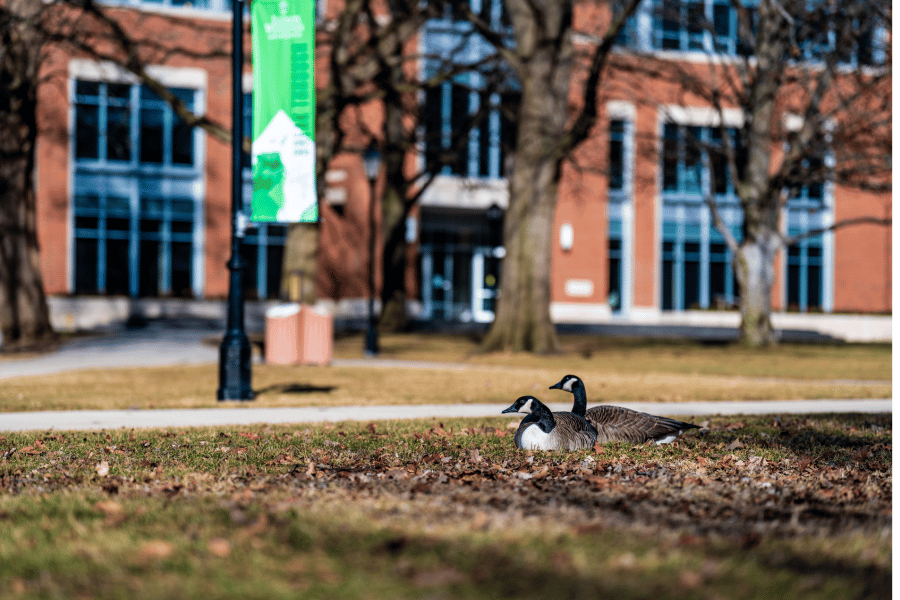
(522, 322)
(755, 261)
(544, 46)
(299, 266)
(753, 266)
(394, 210)
(393, 287)
(24, 316)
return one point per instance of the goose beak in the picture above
(557, 386)
(511, 409)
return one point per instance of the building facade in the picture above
(133, 203)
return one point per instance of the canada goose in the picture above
(545, 430)
(615, 423)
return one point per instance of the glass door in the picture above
(485, 284)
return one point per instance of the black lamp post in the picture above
(372, 164)
(234, 353)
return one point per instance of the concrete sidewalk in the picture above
(246, 414)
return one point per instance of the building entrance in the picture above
(460, 260)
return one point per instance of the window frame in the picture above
(133, 180)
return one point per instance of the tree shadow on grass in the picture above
(798, 434)
(296, 388)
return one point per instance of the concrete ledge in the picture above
(821, 326)
(70, 314)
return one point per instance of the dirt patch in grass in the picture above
(761, 506)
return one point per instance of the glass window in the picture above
(87, 131)
(467, 130)
(616, 154)
(615, 274)
(102, 230)
(182, 133)
(106, 112)
(263, 253)
(151, 135)
(853, 34)
(688, 282)
(686, 153)
(804, 274)
(670, 157)
(123, 244)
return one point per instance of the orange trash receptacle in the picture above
(283, 334)
(316, 337)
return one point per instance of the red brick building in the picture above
(134, 204)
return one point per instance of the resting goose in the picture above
(617, 424)
(545, 430)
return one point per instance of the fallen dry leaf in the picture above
(219, 547)
(155, 550)
(102, 468)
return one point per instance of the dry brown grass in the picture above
(194, 387)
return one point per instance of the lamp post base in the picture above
(234, 368)
(371, 341)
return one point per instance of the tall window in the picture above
(619, 175)
(468, 126)
(804, 275)
(102, 238)
(615, 265)
(135, 204)
(696, 263)
(263, 254)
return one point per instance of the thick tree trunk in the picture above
(754, 268)
(522, 321)
(543, 43)
(299, 266)
(393, 290)
(24, 316)
(394, 211)
(754, 263)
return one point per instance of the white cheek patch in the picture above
(533, 438)
(567, 386)
(526, 408)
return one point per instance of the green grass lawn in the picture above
(747, 507)
(614, 371)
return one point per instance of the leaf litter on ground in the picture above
(791, 496)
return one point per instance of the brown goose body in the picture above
(619, 424)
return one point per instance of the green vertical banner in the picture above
(284, 111)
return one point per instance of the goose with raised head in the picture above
(618, 424)
(542, 429)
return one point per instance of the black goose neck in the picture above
(580, 405)
(543, 416)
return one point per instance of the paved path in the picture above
(245, 414)
(147, 346)
(184, 343)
